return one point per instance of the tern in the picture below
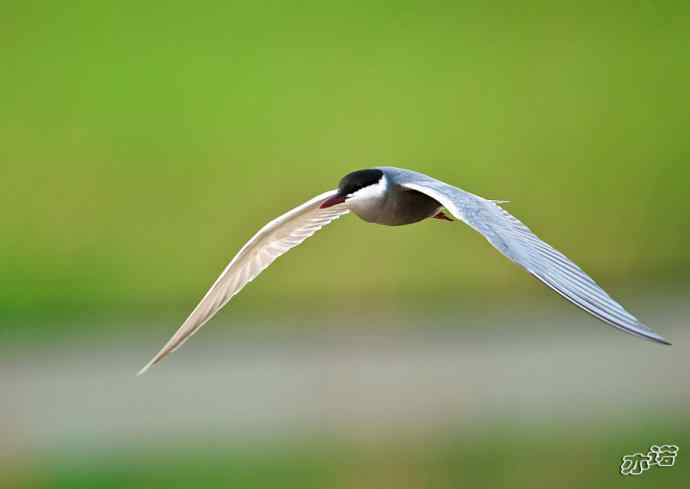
(394, 197)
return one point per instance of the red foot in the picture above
(441, 215)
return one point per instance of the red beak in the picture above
(331, 201)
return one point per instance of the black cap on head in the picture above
(357, 180)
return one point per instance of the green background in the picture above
(142, 144)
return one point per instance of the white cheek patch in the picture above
(371, 192)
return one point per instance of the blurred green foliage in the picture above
(142, 144)
(507, 458)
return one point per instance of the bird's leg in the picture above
(441, 215)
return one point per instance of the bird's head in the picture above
(359, 187)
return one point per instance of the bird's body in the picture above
(394, 196)
(391, 204)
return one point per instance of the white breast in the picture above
(368, 202)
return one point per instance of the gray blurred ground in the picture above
(544, 367)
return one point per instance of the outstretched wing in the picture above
(272, 241)
(515, 240)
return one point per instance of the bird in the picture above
(394, 196)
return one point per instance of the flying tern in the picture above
(394, 196)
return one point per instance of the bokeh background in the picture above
(141, 144)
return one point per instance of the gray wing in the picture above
(273, 240)
(515, 240)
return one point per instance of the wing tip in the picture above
(153, 362)
(657, 339)
(643, 331)
(145, 369)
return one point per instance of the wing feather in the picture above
(516, 241)
(270, 242)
